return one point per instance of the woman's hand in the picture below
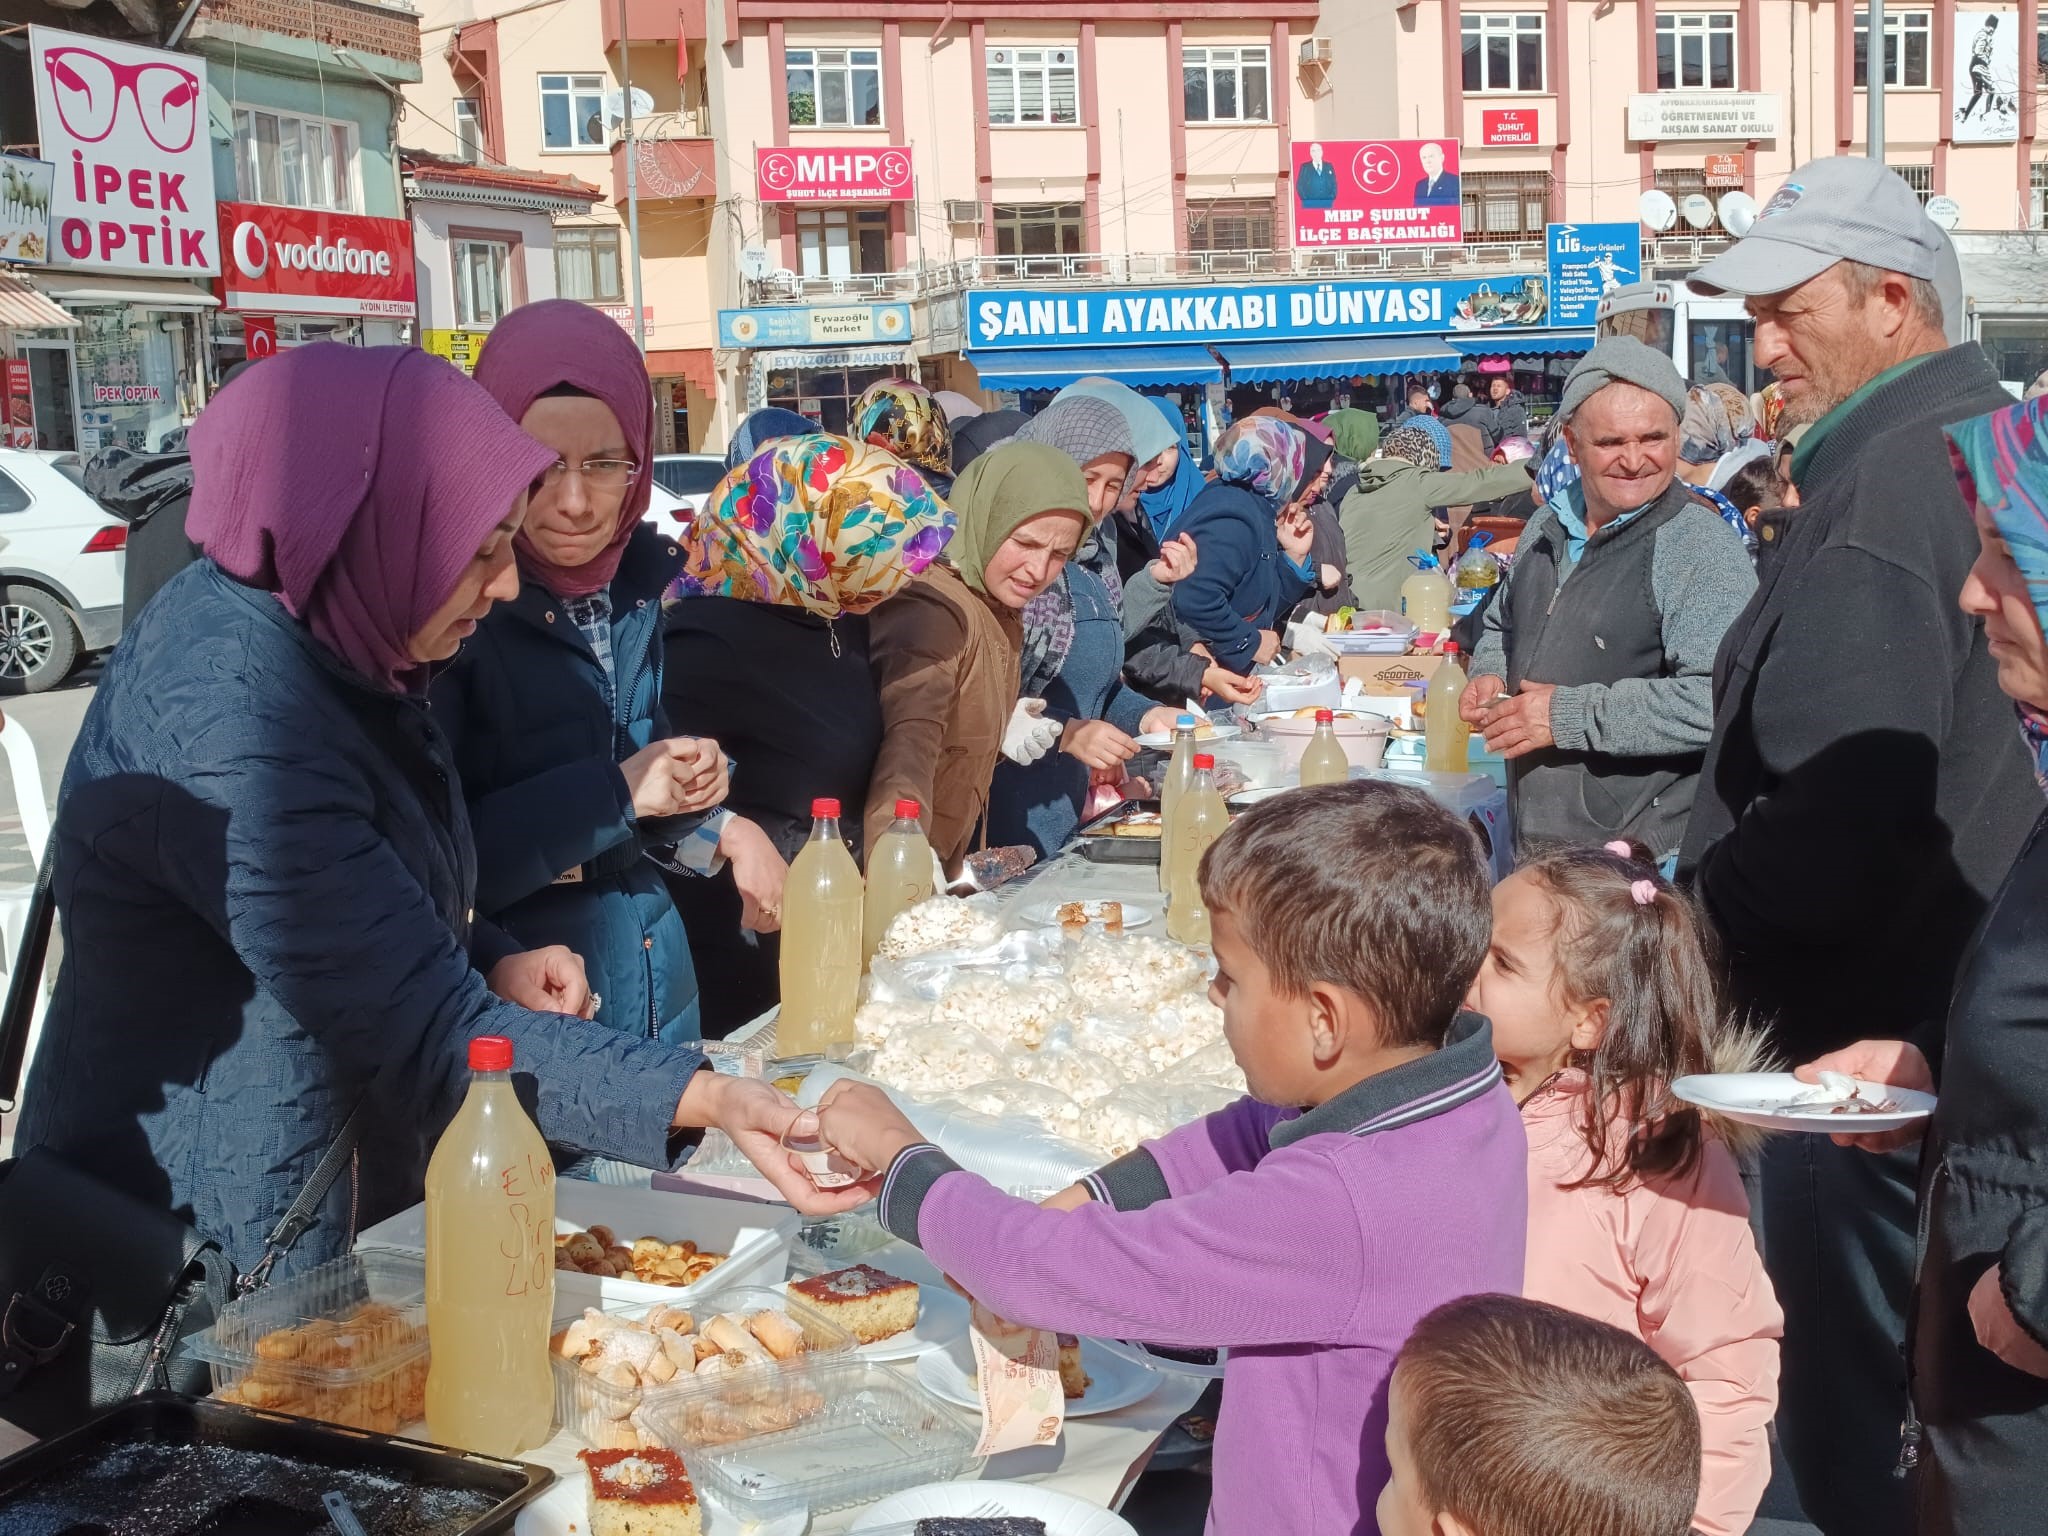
(1097, 743)
(1269, 646)
(548, 980)
(1297, 532)
(1176, 560)
(1226, 684)
(862, 1124)
(755, 1115)
(1160, 721)
(759, 872)
(1999, 1331)
(675, 777)
(1894, 1063)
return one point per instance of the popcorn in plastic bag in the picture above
(1212, 1064)
(1016, 1100)
(1081, 1075)
(1116, 1125)
(940, 922)
(1128, 973)
(1008, 1012)
(935, 1061)
(876, 1019)
(1015, 957)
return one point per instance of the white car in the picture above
(685, 479)
(60, 570)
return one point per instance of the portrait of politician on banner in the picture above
(1377, 192)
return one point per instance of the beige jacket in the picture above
(945, 660)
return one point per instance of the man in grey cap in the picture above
(1593, 674)
(1865, 790)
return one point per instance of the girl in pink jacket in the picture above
(1600, 985)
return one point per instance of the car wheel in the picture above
(38, 641)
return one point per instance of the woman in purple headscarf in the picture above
(576, 784)
(262, 862)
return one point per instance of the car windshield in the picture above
(690, 476)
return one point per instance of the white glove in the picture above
(1029, 735)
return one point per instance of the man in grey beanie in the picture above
(1864, 795)
(1594, 670)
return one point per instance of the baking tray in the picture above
(168, 1465)
(1108, 849)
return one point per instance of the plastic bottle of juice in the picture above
(899, 875)
(1203, 818)
(490, 1268)
(821, 922)
(1447, 739)
(1426, 596)
(1323, 760)
(1178, 772)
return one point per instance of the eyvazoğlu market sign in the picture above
(1032, 317)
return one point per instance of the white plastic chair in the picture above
(26, 772)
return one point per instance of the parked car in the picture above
(60, 572)
(688, 479)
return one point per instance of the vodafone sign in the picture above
(796, 175)
(300, 261)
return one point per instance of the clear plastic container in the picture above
(605, 1410)
(345, 1342)
(875, 1433)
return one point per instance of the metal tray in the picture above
(168, 1465)
(1109, 849)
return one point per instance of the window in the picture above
(1231, 224)
(1038, 229)
(483, 282)
(1907, 48)
(587, 264)
(836, 243)
(572, 112)
(2038, 183)
(1505, 205)
(298, 162)
(834, 87)
(1920, 178)
(13, 498)
(469, 131)
(1225, 85)
(1033, 85)
(1503, 52)
(1684, 182)
(1696, 51)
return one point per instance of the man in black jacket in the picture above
(1864, 791)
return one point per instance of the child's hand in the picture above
(863, 1124)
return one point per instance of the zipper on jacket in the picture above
(1911, 1434)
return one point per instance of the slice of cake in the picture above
(641, 1493)
(867, 1302)
(1074, 1381)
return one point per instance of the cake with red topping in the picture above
(641, 1493)
(868, 1303)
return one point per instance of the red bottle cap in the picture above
(1205, 760)
(1451, 649)
(490, 1053)
(1326, 717)
(908, 810)
(825, 809)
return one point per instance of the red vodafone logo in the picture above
(251, 249)
(307, 261)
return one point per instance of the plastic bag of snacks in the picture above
(1117, 1124)
(1013, 1099)
(1081, 1075)
(942, 923)
(933, 1061)
(1020, 957)
(1009, 1013)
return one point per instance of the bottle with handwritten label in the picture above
(490, 1268)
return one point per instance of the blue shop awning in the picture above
(1057, 367)
(1279, 362)
(1523, 343)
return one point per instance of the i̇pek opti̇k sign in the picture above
(126, 129)
(300, 261)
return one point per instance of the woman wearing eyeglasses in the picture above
(554, 709)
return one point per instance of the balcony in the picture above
(670, 166)
(653, 21)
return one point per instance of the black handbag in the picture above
(97, 1287)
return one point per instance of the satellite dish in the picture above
(1656, 210)
(1698, 209)
(615, 107)
(1945, 211)
(754, 262)
(1738, 212)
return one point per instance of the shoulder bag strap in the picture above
(306, 1208)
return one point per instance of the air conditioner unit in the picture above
(963, 210)
(1315, 50)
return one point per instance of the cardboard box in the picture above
(1394, 675)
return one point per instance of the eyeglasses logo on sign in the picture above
(89, 89)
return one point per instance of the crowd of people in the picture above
(438, 737)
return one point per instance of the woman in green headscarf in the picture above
(945, 650)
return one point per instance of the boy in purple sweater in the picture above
(1376, 1170)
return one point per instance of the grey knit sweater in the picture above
(1700, 579)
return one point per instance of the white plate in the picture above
(1165, 739)
(942, 1316)
(1115, 1382)
(1761, 1098)
(1046, 914)
(564, 1510)
(1244, 799)
(1063, 1514)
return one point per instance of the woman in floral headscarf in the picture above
(904, 417)
(1253, 530)
(1978, 1339)
(767, 651)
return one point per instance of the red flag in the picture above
(682, 50)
